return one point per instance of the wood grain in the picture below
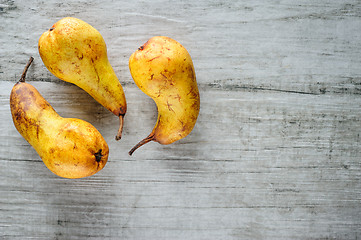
(275, 153)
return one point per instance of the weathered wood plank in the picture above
(279, 166)
(275, 153)
(310, 48)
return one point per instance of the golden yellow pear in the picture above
(69, 147)
(75, 52)
(163, 69)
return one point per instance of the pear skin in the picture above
(76, 52)
(163, 69)
(69, 147)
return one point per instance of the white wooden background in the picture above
(276, 151)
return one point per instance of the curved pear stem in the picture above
(120, 131)
(22, 79)
(141, 143)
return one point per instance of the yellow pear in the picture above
(69, 147)
(75, 52)
(163, 69)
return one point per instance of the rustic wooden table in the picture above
(275, 153)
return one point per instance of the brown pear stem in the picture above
(22, 79)
(141, 143)
(120, 131)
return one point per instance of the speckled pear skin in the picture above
(76, 52)
(163, 69)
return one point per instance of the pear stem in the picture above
(120, 131)
(22, 79)
(141, 143)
